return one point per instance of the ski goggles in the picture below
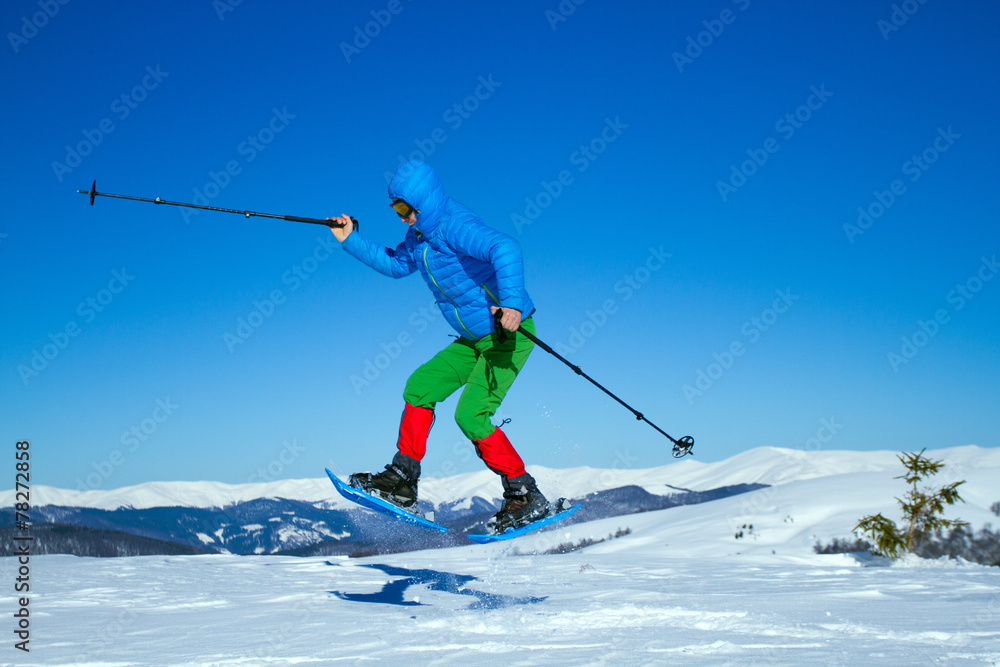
(402, 208)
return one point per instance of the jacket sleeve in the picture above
(473, 238)
(396, 263)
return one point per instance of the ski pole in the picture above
(682, 446)
(291, 218)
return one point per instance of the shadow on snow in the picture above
(446, 582)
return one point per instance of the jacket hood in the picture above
(417, 184)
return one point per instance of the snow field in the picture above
(679, 589)
(629, 608)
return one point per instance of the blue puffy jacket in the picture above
(467, 265)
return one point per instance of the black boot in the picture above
(523, 503)
(397, 483)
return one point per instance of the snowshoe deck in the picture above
(382, 506)
(511, 533)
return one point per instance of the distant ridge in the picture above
(763, 465)
(54, 538)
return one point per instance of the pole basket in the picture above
(683, 446)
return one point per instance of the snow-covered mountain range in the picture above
(764, 465)
(308, 517)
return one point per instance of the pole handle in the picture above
(317, 221)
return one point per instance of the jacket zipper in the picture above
(447, 296)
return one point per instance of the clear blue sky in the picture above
(739, 138)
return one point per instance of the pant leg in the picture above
(499, 455)
(414, 427)
(489, 380)
(432, 382)
(440, 377)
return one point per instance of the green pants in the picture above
(486, 367)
